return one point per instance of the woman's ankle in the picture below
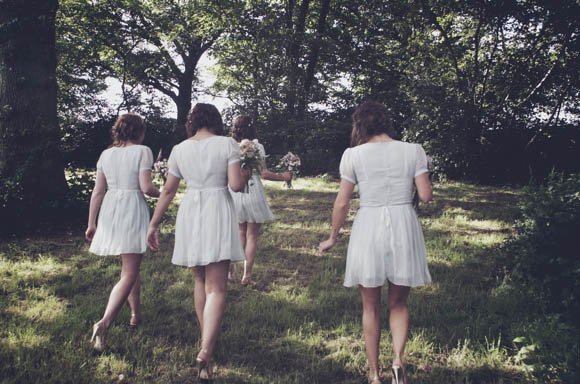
(398, 360)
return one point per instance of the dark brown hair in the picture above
(204, 115)
(370, 119)
(128, 127)
(243, 128)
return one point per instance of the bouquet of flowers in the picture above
(291, 163)
(160, 166)
(251, 158)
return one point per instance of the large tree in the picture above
(278, 61)
(157, 44)
(30, 162)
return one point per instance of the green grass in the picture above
(296, 324)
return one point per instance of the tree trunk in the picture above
(29, 132)
(183, 107)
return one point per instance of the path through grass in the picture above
(296, 324)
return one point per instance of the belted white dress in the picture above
(386, 241)
(206, 228)
(252, 206)
(124, 215)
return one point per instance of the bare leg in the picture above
(199, 294)
(398, 320)
(371, 319)
(121, 290)
(252, 235)
(242, 227)
(215, 292)
(134, 301)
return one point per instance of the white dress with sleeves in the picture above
(386, 242)
(124, 215)
(206, 228)
(252, 206)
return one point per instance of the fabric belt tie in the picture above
(386, 219)
(196, 193)
(196, 196)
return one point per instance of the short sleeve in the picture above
(100, 164)
(262, 150)
(172, 164)
(146, 160)
(347, 168)
(233, 151)
(420, 161)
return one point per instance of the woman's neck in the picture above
(380, 138)
(127, 143)
(202, 133)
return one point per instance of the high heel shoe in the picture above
(135, 320)
(204, 372)
(100, 337)
(246, 280)
(398, 375)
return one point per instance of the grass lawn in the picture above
(296, 324)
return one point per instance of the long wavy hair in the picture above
(128, 127)
(368, 120)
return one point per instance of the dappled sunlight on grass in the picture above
(40, 306)
(24, 338)
(295, 324)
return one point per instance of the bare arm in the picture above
(146, 184)
(341, 206)
(167, 194)
(237, 177)
(424, 189)
(96, 200)
(267, 175)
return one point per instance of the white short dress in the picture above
(252, 206)
(206, 228)
(386, 241)
(124, 215)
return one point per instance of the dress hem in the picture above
(350, 284)
(205, 263)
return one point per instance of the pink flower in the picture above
(427, 368)
(244, 142)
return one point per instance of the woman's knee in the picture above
(398, 300)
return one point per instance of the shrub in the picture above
(550, 350)
(544, 249)
(546, 263)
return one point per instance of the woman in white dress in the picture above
(206, 238)
(252, 207)
(386, 243)
(123, 176)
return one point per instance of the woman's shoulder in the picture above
(143, 148)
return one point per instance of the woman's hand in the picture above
(90, 232)
(153, 238)
(324, 246)
(246, 174)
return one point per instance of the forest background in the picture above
(489, 88)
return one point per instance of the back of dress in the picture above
(206, 227)
(386, 241)
(123, 216)
(121, 166)
(203, 163)
(384, 171)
